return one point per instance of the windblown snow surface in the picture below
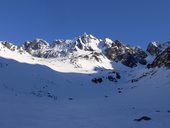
(47, 93)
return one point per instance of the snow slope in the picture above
(41, 93)
(58, 64)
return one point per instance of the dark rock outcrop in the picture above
(129, 56)
(162, 60)
(154, 48)
(129, 60)
(9, 45)
(36, 44)
(143, 118)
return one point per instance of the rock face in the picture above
(87, 43)
(9, 45)
(166, 44)
(59, 48)
(154, 48)
(129, 60)
(162, 60)
(129, 56)
(35, 47)
(36, 44)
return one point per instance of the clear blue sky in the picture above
(133, 21)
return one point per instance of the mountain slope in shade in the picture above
(36, 96)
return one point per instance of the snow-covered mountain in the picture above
(85, 82)
(85, 47)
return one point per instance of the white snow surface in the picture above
(53, 93)
(155, 44)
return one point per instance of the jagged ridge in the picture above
(90, 48)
